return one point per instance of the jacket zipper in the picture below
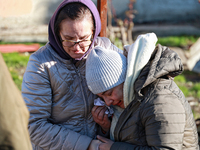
(84, 98)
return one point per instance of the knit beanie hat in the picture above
(105, 69)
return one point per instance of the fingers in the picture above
(102, 139)
(105, 145)
(94, 144)
(102, 113)
(94, 108)
(98, 113)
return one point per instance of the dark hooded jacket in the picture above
(159, 117)
(56, 94)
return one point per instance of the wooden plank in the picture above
(102, 8)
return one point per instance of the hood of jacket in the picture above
(54, 42)
(163, 63)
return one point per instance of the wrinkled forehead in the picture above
(75, 29)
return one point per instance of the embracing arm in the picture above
(36, 91)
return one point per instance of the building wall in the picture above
(167, 10)
(27, 20)
(14, 8)
(160, 10)
(40, 11)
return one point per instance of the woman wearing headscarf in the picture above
(54, 86)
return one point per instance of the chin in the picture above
(76, 56)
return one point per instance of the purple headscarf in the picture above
(52, 36)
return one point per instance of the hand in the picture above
(107, 143)
(94, 145)
(98, 113)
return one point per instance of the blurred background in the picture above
(24, 28)
(24, 20)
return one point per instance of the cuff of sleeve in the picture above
(83, 143)
(122, 145)
(101, 133)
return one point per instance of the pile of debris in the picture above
(190, 58)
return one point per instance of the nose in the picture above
(77, 42)
(108, 101)
(77, 46)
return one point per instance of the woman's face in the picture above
(113, 96)
(76, 30)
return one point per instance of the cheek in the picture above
(115, 96)
(120, 91)
(66, 49)
(85, 48)
(105, 100)
(119, 95)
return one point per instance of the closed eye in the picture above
(109, 93)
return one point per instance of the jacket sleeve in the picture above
(36, 91)
(100, 132)
(163, 118)
(123, 145)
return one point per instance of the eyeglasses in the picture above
(82, 43)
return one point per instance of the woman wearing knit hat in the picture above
(150, 111)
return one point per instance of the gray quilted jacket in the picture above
(159, 117)
(59, 100)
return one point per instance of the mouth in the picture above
(119, 103)
(78, 51)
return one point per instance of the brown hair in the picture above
(73, 11)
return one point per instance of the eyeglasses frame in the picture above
(89, 38)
